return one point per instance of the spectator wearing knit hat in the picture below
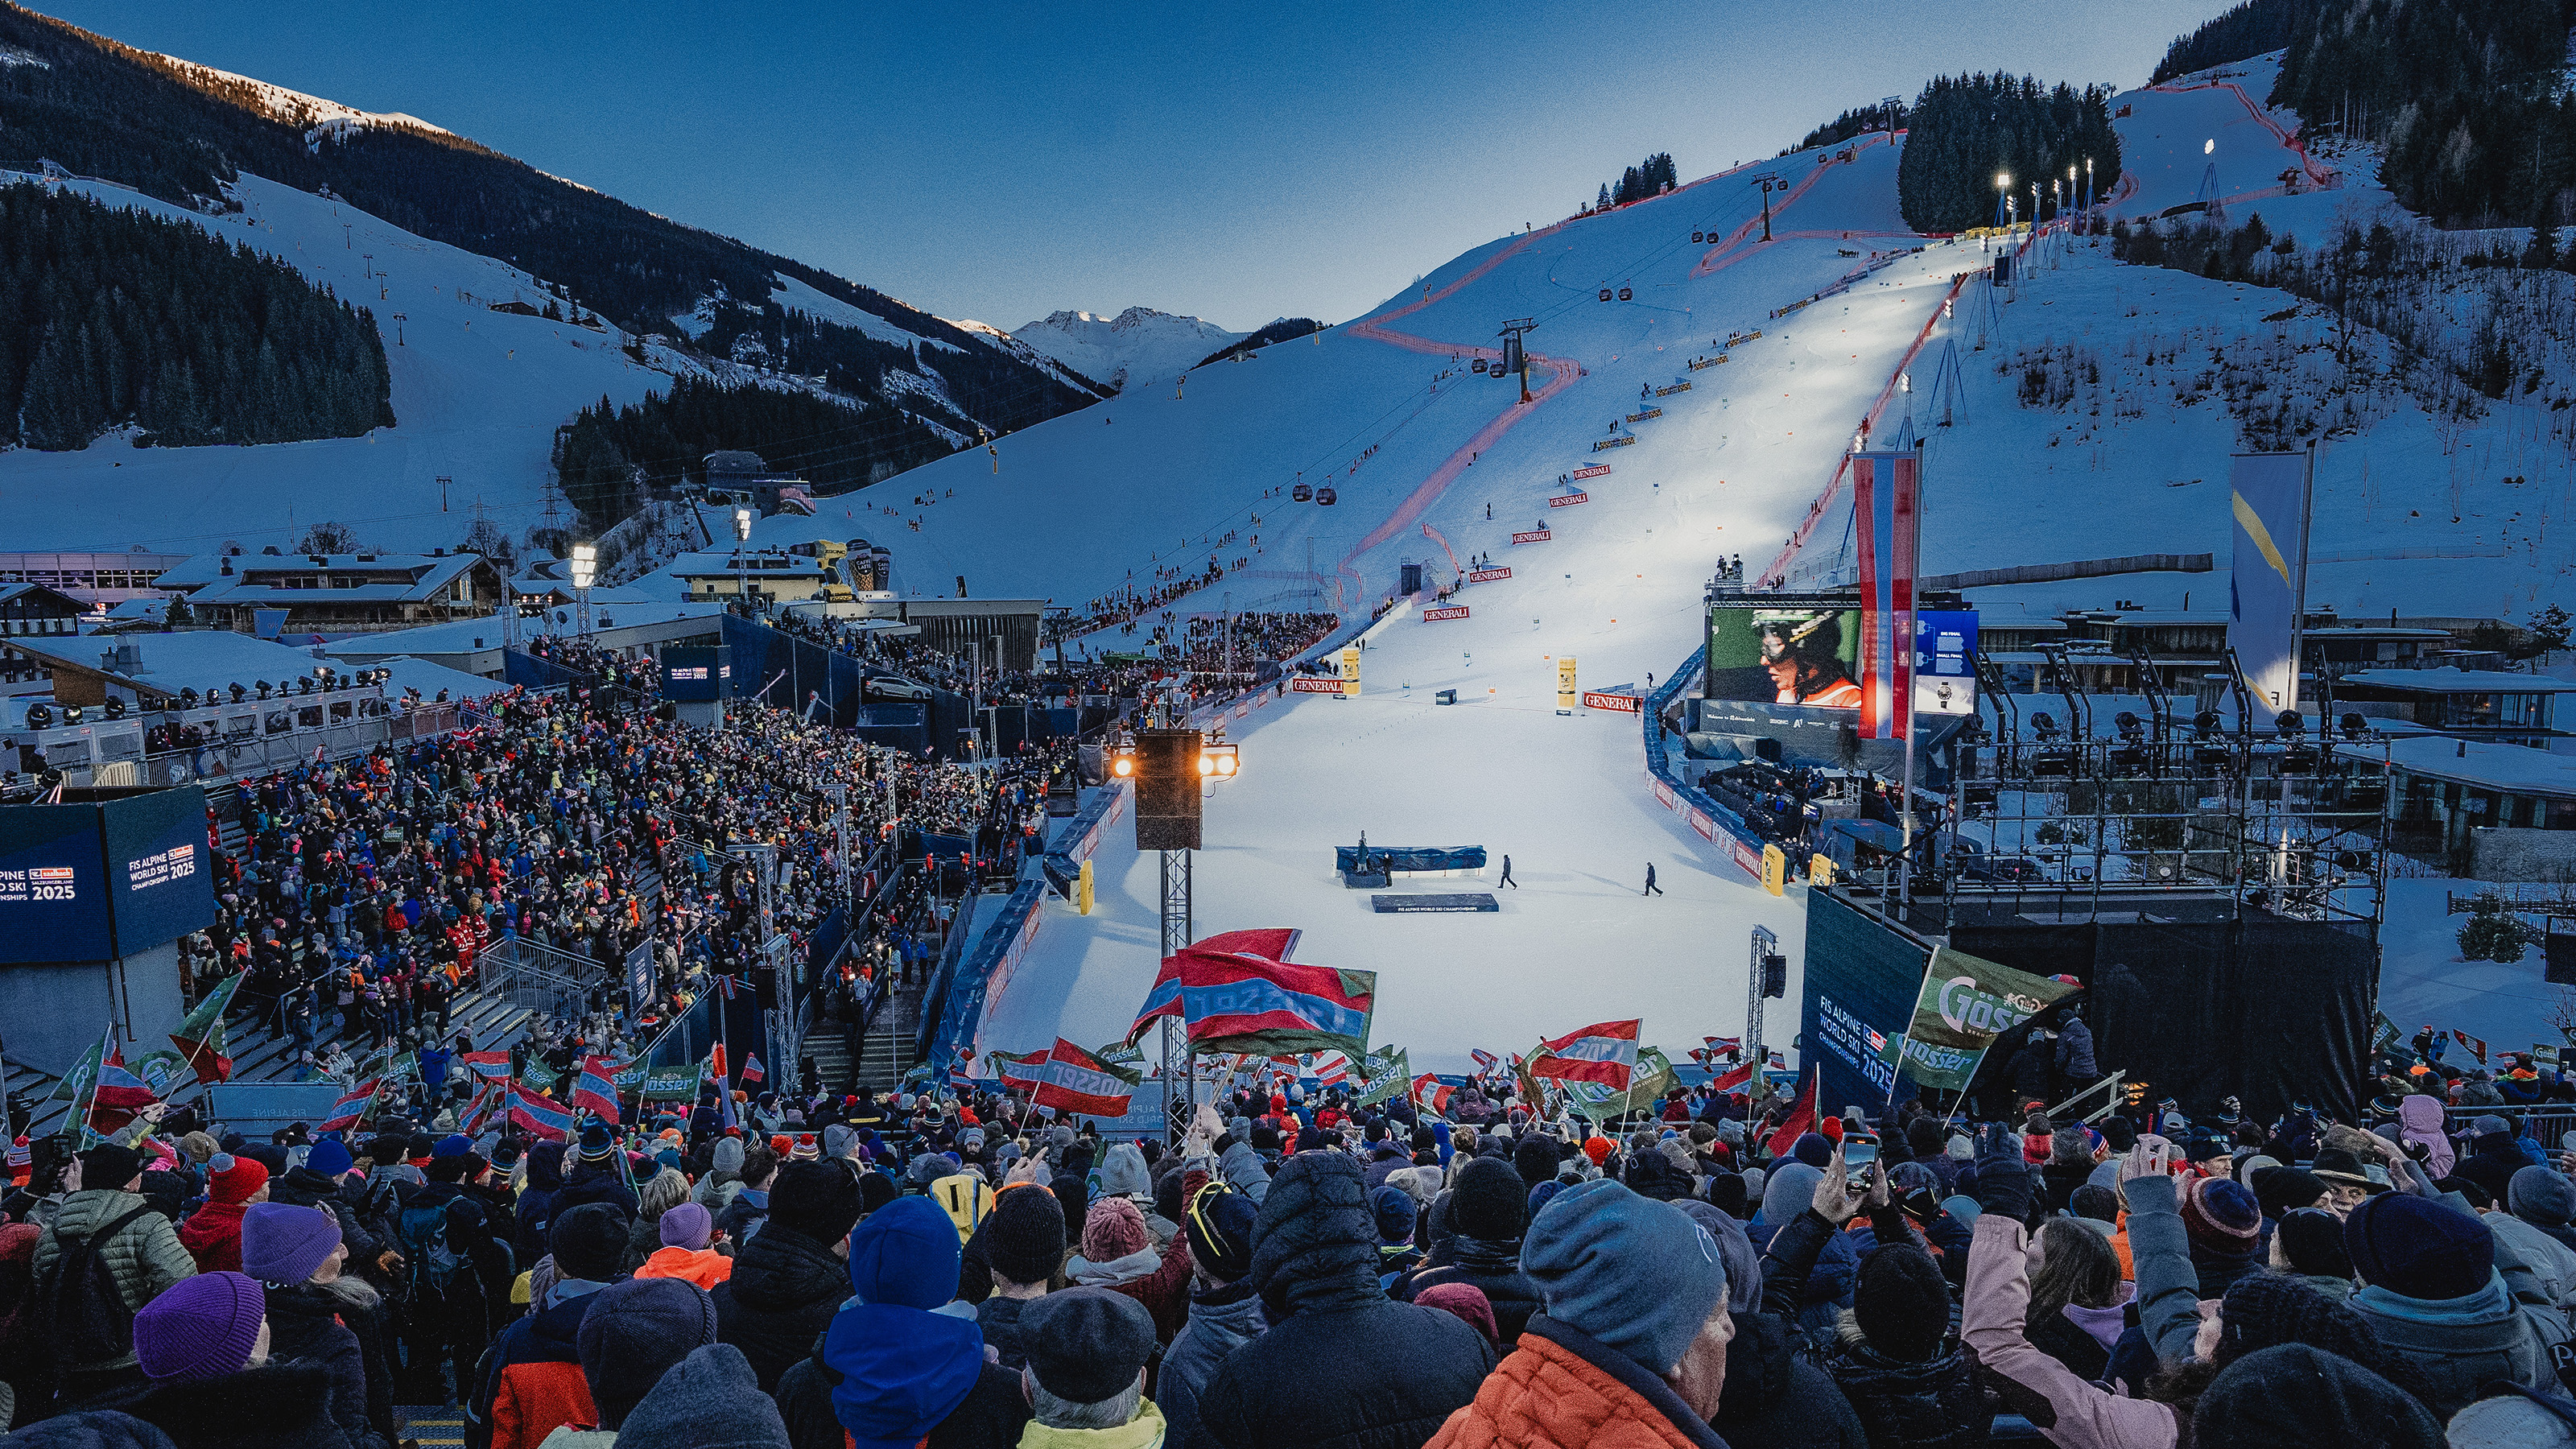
(1631, 1351)
(635, 1332)
(2223, 1223)
(2432, 1292)
(1225, 1313)
(790, 1279)
(1397, 1370)
(1118, 1254)
(1892, 1354)
(297, 1255)
(533, 1380)
(1023, 1247)
(1485, 1219)
(212, 1234)
(139, 1248)
(687, 1251)
(209, 1382)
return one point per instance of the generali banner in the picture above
(1487, 576)
(1539, 536)
(1310, 684)
(1454, 611)
(1622, 703)
(1568, 500)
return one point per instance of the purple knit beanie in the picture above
(283, 1243)
(200, 1328)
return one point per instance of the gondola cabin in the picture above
(1324, 496)
(1627, 294)
(1302, 493)
(1477, 366)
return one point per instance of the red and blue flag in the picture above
(352, 1106)
(545, 1118)
(1073, 1080)
(596, 1089)
(1605, 1052)
(1276, 943)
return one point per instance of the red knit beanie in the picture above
(232, 1179)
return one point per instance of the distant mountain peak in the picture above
(1140, 344)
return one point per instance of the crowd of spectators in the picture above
(958, 1269)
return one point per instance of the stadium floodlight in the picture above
(742, 524)
(585, 564)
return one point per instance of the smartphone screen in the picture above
(1858, 1154)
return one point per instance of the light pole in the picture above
(585, 567)
(2003, 198)
(2090, 195)
(741, 579)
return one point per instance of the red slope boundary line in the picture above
(1709, 264)
(2321, 175)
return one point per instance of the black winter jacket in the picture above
(1939, 1403)
(784, 1290)
(304, 1327)
(1775, 1399)
(1493, 1268)
(1395, 1370)
(274, 1406)
(1652, 1174)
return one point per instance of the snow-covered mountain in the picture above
(1136, 346)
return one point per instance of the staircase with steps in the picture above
(492, 1018)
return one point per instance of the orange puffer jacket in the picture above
(1562, 1389)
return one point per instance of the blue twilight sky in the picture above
(1238, 162)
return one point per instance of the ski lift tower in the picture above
(1515, 357)
(1769, 182)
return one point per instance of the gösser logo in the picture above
(1965, 1008)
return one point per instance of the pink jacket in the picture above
(2420, 1120)
(2071, 1412)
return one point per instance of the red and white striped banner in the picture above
(1539, 536)
(1454, 611)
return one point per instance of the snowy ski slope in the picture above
(1734, 465)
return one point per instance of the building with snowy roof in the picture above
(270, 594)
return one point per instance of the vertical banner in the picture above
(2268, 578)
(1567, 695)
(1351, 673)
(1885, 490)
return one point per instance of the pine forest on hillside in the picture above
(1963, 130)
(611, 458)
(108, 318)
(2467, 99)
(1858, 121)
(178, 132)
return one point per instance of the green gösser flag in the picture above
(1966, 1002)
(1387, 1075)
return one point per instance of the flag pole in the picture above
(1913, 554)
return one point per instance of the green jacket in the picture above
(145, 1256)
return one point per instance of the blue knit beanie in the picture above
(1636, 1274)
(1813, 1150)
(2419, 1247)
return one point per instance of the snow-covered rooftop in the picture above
(2496, 767)
(2459, 681)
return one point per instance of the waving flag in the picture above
(1332, 1068)
(1605, 1052)
(487, 1064)
(596, 1089)
(478, 1113)
(716, 1065)
(1020, 1069)
(2472, 1043)
(76, 1082)
(1714, 1045)
(1274, 943)
(539, 1115)
(1801, 1118)
(752, 1071)
(352, 1106)
(1073, 1080)
(1387, 1075)
(1486, 1061)
(1431, 1094)
(1733, 1079)
(1242, 1001)
(117, 1095)
(200, 1038)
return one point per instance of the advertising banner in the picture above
(53, 885)
(1566, 692)
(1315, 684)
(2267, 581)
(1454, 611)
(1885, 490)
(1487, 576)
(1616, 703)
(1945, 681)
(1568, 500)
(1597, 470)
(1351, 673)
(1536, 535)
(1966, 1002)
(160, 882)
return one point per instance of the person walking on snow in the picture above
(1651, 889)
(1507, 874)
